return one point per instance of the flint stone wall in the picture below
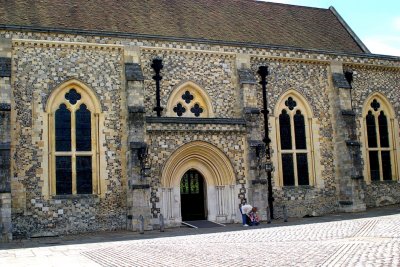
(367, 81)
(164, 140)
(311, 81)
(214, 73)
(37, 70)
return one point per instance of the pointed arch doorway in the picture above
(216, 201)
(193, 191)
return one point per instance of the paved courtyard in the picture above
(368, 239)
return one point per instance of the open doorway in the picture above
(192, 188)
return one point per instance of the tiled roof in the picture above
(244, 21)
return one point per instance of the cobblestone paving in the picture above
(360, 242)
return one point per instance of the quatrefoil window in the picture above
(179, 109)
(190, 101)
(375, 105)
(187, 96)
(72, 96)
(290, 103)
(196, 110)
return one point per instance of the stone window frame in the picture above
(393, 128)
(92, 103)
(312, 137)
(199, 96)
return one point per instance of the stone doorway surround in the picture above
(219, 176)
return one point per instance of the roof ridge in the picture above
(285, 4)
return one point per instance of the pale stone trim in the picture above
(277, 173)
(325, 62)
(304, 106)
(200, 96)
(393, 128)
(188, 51)
(316, 153)
(307, 58)
(372, 66)
(73, 83)
(219, 178)
(167, 203)
(88, 98)
(211, 162)
(220, 198)
(312, 137)
(304, 59)
(47, 43)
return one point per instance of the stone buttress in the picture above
(249, 92)
(347, 147)
(138, 193)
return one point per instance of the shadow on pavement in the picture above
(123, 235)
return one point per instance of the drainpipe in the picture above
(263, 72)
(157, 66)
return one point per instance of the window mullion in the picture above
(73, 151)
(296, 175)
(380, 165)
(379, 148)
(296, 181)
(377, 130)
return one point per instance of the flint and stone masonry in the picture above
(143, 158)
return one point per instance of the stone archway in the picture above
(218, 174)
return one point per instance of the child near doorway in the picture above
(254, 219)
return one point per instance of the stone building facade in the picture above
(82, 147)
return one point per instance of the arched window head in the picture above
(293, 134)
(189, 100)
(379, 138)
(73, 113)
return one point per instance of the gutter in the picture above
(349, 30)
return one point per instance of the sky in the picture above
(375, 22)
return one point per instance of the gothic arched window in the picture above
(378, 122)
(294, 146)
(189, 100)
(73, 141)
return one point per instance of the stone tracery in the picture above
(196, 102)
